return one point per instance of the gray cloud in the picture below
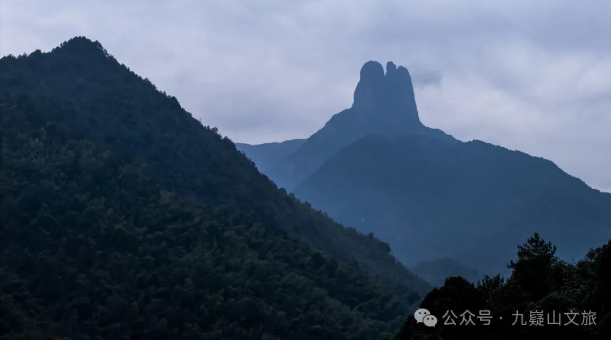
(422, 79)
(528, 75)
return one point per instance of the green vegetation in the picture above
(541, 284)
(122, 217)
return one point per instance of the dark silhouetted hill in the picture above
(122, 217)
(472, 202)
(543, 298)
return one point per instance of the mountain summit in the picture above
(377, 167)
(390, 95)
(123, 217)
(384, 104)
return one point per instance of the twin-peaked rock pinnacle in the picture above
(387, 96)
(384, 104)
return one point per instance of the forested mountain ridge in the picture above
(122, 216)
(100, 99)
(96, 250)
(470, 201)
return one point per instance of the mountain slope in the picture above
(121, 216)
(268, 154)
(383, 104)
(93, 248)
(470, 201)
(99, 99)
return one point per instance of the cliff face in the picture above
(387, 98)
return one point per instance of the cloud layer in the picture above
(528, 75)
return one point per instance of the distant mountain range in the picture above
(375, 166)
(269, 153)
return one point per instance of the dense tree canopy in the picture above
(544, 298)
(122, 217)
(83, 88)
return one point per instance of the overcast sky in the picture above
(524, 74)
